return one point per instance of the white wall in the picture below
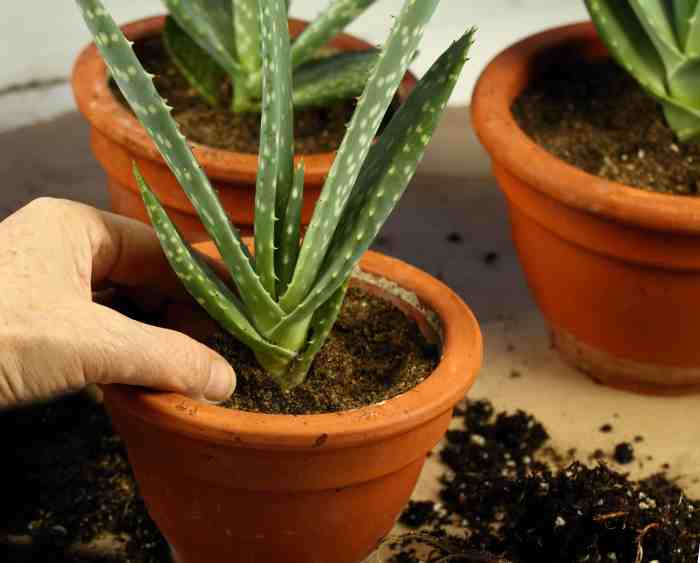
(40, 38)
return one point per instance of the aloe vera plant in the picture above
(211, 39)
(658, 43)
(288, 295)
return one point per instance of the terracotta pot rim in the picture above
(96, 102)
(511, 148)
(444, 388)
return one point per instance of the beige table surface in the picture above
(452, 193)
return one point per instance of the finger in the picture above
(128, 252)
(116, 349)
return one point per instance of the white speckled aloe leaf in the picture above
(331, 21)
(289, 232)
(326, 81)
(276, 158)
(385, 174)
(320, 328)
(154, 114)
(247, 33)
(199, 280)
(209, 24)
(378, 94)
(201, 71)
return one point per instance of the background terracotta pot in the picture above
(615, 270)
(228, 486)
(118, 139)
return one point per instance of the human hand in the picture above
(55, 339)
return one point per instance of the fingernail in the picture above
(222, 382)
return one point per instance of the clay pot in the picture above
(228, 486)
(118, 139)
(615, 270)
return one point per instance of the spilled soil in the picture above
(500, 504)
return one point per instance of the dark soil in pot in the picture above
(373, 353)
(503, 504)
(593, 115)
(317, 130)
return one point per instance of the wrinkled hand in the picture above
(55, 339)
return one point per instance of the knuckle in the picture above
(48, 204)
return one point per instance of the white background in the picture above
(40, 38)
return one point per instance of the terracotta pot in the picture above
(228, 486)
(118, 139)
(615, 270)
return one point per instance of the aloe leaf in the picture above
(691, 41)
(276, 159)
(326, 81)
(331, 21)
(247, 34)
(385, 174)
(321, 325)
(628, 42)
(654, 17)
(201, 71)
(208, 23)
(209, 291)
(685, 122)
(379, 92)
(289, 233)
(154, 114)
(246, 26)
(683, 11)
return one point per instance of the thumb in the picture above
(125, 351)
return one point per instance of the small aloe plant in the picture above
(658, 43)
(211, 39)
(288, 295)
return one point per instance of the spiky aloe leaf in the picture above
(683, 11)
(209, 291)
(379, 92)
(321, 325)
(332, 20)
(276, 158)
(246, 23)
(328, 80)
(653, 16)
(247, 33)
(690, 29)
(208, 23)
(289, 232)
(154, 114)
(646, 39)
(385, 174)
(628, 41)
(201, 71)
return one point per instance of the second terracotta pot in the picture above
(615, 270)
(118, 140)
(230, 486)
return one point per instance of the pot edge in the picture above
(510, 147)
(445, 387)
